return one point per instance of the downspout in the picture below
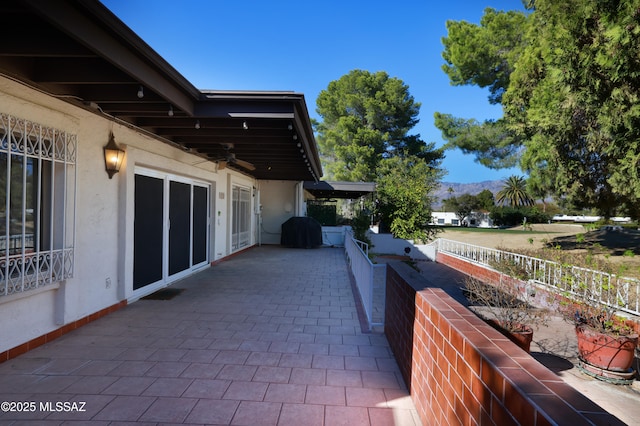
(258, 213)
(300, 207)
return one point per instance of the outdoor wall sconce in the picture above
(113, 156)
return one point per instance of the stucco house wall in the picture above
(104, 213)
(279, 201)
(444, 218)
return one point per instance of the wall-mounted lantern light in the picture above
(113, 157)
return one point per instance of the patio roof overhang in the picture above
(347, 190)
(80, 52)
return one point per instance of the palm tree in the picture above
(514, 192)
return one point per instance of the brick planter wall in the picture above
(472, 269)
(461, 371)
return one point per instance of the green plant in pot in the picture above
(504, 306)
(606, 342)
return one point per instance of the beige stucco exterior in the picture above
(104, 213)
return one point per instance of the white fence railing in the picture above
(33, 270)
(369, 278)
(621, 293)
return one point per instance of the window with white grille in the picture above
(37, 204)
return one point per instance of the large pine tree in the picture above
(568, 78)
(364, 136)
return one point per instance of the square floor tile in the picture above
(132, 368)
(125, 408)
(298, 414)
(168, 386)
(129, 386)
(325, 395)
(347, 416)
(314, 348)
(272, 374)
(344, 378)
(285, 347)
(167, 369)
(213, 412)
(283, 392)
(308, 376)
(237, 372)
(231, 357)
(380, 379)
(328, 361)
(91, 384)
(246, 391)
(207, 389)
(168, 410)
(365, 397)
(199, 355)
(257, 413)
(263, 358)
(296, 360)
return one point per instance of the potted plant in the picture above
(504, 306)
(606, 342)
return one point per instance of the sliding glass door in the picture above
(171, 228)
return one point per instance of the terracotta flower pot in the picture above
(521, 338)
(613, 353)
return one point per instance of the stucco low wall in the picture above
(461, 371)
(333, 236)
(388, 244)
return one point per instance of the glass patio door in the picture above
(171, 228)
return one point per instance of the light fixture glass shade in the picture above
(113, 157)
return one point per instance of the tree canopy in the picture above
(404, 189)
(462, 205)
(364, 136)
(568, 77)
(367, 117)
(514, 192)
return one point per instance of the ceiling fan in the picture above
(230, 158)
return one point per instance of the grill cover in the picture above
(301, 232)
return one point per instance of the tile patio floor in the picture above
(269, 337)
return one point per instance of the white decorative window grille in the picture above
(37, 204)
(241, 217)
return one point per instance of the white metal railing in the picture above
(621, 293)
(29, 271)
(369, 278)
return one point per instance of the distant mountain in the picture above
(465, 188)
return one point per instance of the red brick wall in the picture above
(461, 371)
(477, 271)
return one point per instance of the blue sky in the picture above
(302, 46)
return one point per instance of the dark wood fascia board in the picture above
(94, 26)
(309, 141)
